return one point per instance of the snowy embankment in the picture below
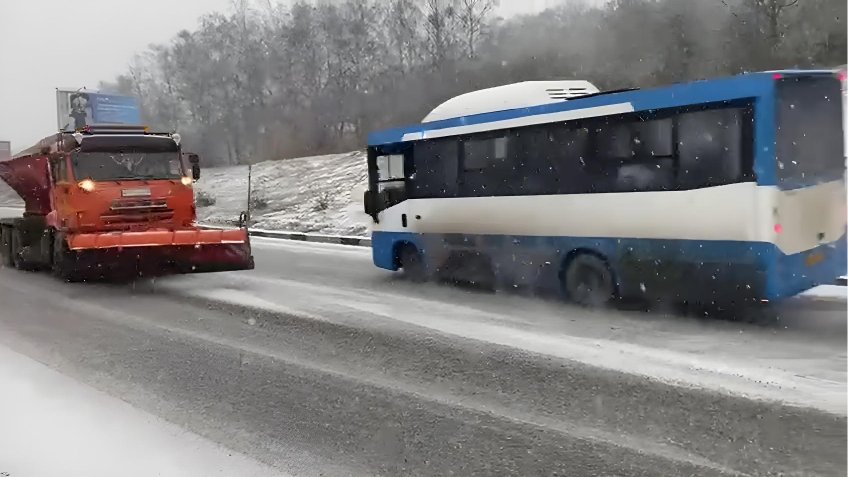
(321, 194)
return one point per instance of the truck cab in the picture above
(113, 201)
(123, 183)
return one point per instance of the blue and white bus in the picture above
(721, 191)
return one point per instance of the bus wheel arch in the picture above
(409, 259)
(587, 279)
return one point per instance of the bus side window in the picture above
(632, 154)
(435, 162)
(487, 169)
(565, 170)
(710, 148)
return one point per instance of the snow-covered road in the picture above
(318, 363)
(770, 359)
(54, 425)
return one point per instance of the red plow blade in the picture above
(157, 238)
(165, 252)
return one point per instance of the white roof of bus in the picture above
(511, 96)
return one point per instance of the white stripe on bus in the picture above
(735, 212)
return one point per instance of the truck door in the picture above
(61, 188)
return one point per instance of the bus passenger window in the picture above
(483, 153)
(709, 148)
(652, 139)
(435, 165)
(614, 142)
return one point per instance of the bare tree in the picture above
(472, 17)
(316, 76)
(773, 11)
(403, 32)
(441, 17)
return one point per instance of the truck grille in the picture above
(127, 212)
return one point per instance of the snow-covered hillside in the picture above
(8, 197)
(320, 194)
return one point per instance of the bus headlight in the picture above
(186, 180)
(86, 185)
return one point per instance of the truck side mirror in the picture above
(194, 160)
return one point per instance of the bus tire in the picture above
(588, 281)
(412, 263)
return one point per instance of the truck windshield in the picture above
(105, 166)
(809, 136)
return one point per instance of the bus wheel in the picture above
(412, 263)
(588, 281)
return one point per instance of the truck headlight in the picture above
(86, 185)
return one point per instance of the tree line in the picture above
(270, 80)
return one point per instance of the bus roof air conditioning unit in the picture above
(510, 96)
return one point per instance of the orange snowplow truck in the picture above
(111, 202)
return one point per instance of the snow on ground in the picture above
(828, 292)
(8, 197)
(53, 425)
(321, 194)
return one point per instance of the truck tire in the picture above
(17, 244)
(63, 264)
(6, 244)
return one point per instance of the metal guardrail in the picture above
(303, 236)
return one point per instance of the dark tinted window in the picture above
(481, 154)
(435, 168)
(633, 138)
(552, 159)
(710, 147)
(809, 130)
(489, 165)
(631, 153)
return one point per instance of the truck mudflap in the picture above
(155, 253)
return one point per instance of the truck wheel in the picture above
(17, 260)
(6, 244)
(588, 281)
(63, 263)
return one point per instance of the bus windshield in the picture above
(105, 166)
(809, 131)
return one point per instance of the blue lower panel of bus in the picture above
(703, 271)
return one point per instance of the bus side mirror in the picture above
(371, 200)
(194, 160)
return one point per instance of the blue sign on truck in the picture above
(78, 109)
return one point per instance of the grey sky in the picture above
(45, 44)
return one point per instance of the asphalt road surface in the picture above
(316, 363)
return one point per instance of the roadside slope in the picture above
(306, 194)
